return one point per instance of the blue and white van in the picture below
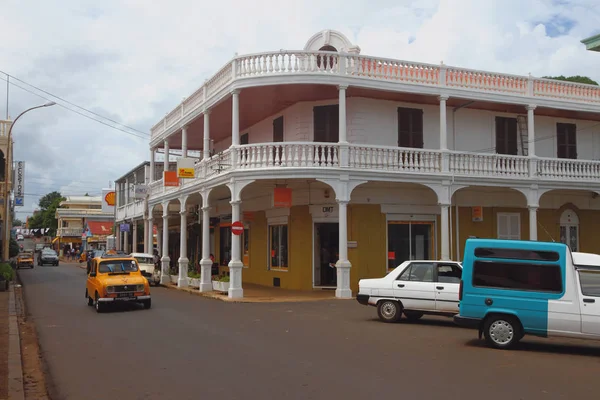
(510, 288)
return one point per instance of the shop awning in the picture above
(100, 228)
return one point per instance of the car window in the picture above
(590, 283)
(419, 272)
(144, 260)
(118, 266)
(448, 273)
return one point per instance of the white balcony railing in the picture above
(302, 155)
(69, 232)
(291, 63)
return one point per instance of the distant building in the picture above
(592, 43)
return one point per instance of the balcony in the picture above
(131, 210)
(69, 232)
(273, 157)
(373, 71)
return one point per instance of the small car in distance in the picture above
(48, 256)
(25, 259)
(116, 278)
(415, 288)
(20, 237)
(147, 267)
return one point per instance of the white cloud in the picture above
(134, 60)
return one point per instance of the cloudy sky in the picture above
(128, 62)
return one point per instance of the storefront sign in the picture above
(170, 178)
(185, 168)
(282, 197)
(477, 213)
(140, 191)
(124, 227)
(352, 244)
(20, 184)
(109, 198)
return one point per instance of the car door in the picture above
(447, 277)
(91, 280)
(589, 297)
(415, 286)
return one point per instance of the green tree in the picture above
(575, 78)
(17, 222)
(46, 218)
(13, 248)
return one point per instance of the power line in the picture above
(73, 104)
(78, 112)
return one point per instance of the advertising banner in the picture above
(19, 184)
(185, 168)
(109, 197)
(140, 191)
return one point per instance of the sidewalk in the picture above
(11, 370)
(4, 345)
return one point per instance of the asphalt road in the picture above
(188, 347)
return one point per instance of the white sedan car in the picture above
(415, 288)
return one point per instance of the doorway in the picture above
(409, 240)
(326, 245)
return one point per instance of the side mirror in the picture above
(92, 274)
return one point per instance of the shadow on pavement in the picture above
(548, 347)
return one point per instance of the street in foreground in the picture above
(187, 347)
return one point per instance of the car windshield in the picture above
(48, 252)
(118, 266)
(144, 260)
(25, 255)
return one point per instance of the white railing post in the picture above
(444, 134)
(531, 141)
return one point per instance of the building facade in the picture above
(82, 224)
(340, 166)
(6, 149)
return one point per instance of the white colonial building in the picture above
(340, 166)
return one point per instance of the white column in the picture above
(235, 265)
(533, 222)
(343, 265)
(159, 240)
(183, 259)
(235, 118)
(134, 238)
(152, 174)
(444, 134)
(445, 232)
(165, 259)
(166, 161)
(150, 236)
(184, 147)
(206, 262)
(127, 191)
(206, 149)
(342, 114)
(531, 130)
(126, 240)
(118, 239)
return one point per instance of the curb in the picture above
(15, 366)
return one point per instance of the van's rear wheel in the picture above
(389, 311)
(502, 331)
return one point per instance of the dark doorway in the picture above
(326, 253)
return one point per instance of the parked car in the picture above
(116, 278)
(25, 259)
(147, 267)
(513, 288)
(415, 288)
(48, 256)
(20, 237)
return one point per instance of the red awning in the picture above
(100, 228)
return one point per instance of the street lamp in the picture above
(6, 241)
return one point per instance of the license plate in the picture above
(125, 295)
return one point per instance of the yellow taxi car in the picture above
(116, 278)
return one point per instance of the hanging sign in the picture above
(282, 197)
(170, 178)
(477, 213)
(185, 168)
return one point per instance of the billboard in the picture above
(109, 197)
(140, 191)
(19, 184)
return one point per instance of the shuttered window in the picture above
(410, 127)
(506, 136)
(509, 226)
(278, 129)
(326, 123)
(566, 140)
(244, 139)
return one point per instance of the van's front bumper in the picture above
(466, 322)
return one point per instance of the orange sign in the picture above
(170, 178)
(110, 198)
(282, 197)
(477, 213)
(391, 255)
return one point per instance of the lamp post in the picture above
(8, 159)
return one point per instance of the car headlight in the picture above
(110, 289)
(139, 288)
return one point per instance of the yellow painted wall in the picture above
(367, 226)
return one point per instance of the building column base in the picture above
(206, 275)
(235, 280)
(182, 281)
(165, 278)
(343, 290)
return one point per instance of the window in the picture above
(244, 139)
(278, 129)
(224, 245)
(532, 255)
(569, 229)
(448, 273)
(518, 276)
(566, 140)
(419, 272)
(278, 246)
(326, 123)
(506, 136)
(590, 283)
(409, 240)
(410, 127)
(118, 266)
(509, 226)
